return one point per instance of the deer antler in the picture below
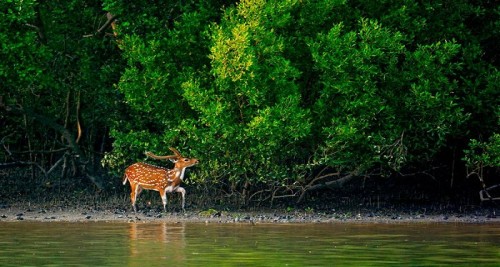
(176, 156)
(176, 152)
(151, 155)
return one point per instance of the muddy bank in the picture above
(47, 213)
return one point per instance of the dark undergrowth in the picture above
(358, 196)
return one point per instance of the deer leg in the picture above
(138, 191)
(133, 195)
(183, 195)
(135, 192)
(163, 195)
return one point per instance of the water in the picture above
(191, 244)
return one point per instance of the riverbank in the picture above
(47, 213)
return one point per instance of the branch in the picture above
(488, 195)
(67, 135)
(288, 191)
(425, 172)
(321, 178)
(338, 182)
(9, 135)
(257, 193)
(41, 35)
(22, 163)
(56, 164)
(111, 19)
(40, 28)
(40, 151)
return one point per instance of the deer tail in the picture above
(125, 179)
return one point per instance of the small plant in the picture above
(209, 212)
(482, 155)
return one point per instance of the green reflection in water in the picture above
(162, 244)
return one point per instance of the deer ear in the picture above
(173, 160)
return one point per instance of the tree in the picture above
(250, 112)
(57, 81)
(283, 97)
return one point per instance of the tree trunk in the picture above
(70, 139)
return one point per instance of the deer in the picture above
(142, 175)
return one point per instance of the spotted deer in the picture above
(145, 176)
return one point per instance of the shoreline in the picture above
(88, 214)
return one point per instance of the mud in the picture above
(47, 213)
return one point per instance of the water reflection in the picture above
(164, 244)
(159, 241)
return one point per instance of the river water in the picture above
(198, 244)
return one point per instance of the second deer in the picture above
(145, 176)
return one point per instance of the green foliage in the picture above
(483, 154)
(54, 65)
(228, 110)
(381, 103)
(22, 59)
(265, 93)
(157, 58)
(251, 110)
